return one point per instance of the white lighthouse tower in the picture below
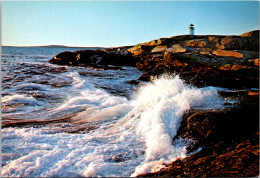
(191, 29)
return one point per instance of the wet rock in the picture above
(133, 82)
(229, 142)
(94, 58)
(65, 58)
(145, 77)
(84, 56)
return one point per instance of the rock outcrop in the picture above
(224, 61)
(228, 139)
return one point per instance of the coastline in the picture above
(229, 139)
(225, 141)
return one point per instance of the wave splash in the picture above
(135, 137)
(162, 105)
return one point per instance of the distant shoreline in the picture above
(53, 46)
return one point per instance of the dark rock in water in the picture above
(65, 58)
(145, 77)
(94, 59)
(107, 67)
(133, 82)
(84, 56)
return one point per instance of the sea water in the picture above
(98, 123)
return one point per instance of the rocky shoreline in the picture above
(228, 141)
(229, 138)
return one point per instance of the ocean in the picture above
(61, 121)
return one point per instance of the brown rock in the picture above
(154, 43)
(176, 49)
(255, 61)
(253, 93)
(225, 67)
(136, 50)
(220, 52)
(159, 49)
(213, 39)
(232, 67)
(251, 34)
(231, 43)
(137, 53)
(238, 67)
(207, 51)
(161, 41)
(196, 43)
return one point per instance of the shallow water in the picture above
(98, 124)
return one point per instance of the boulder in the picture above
(65, 58)
(84, 56)
(94, 58)
(231, 43)
(176, 49)
(136, 50)
(159, 49)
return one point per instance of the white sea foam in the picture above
(22, 99)
(136, 137)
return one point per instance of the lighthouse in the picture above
(191, 29)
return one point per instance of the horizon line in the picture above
(65, 46)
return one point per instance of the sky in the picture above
(119, 23)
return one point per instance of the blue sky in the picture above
(118, 23)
